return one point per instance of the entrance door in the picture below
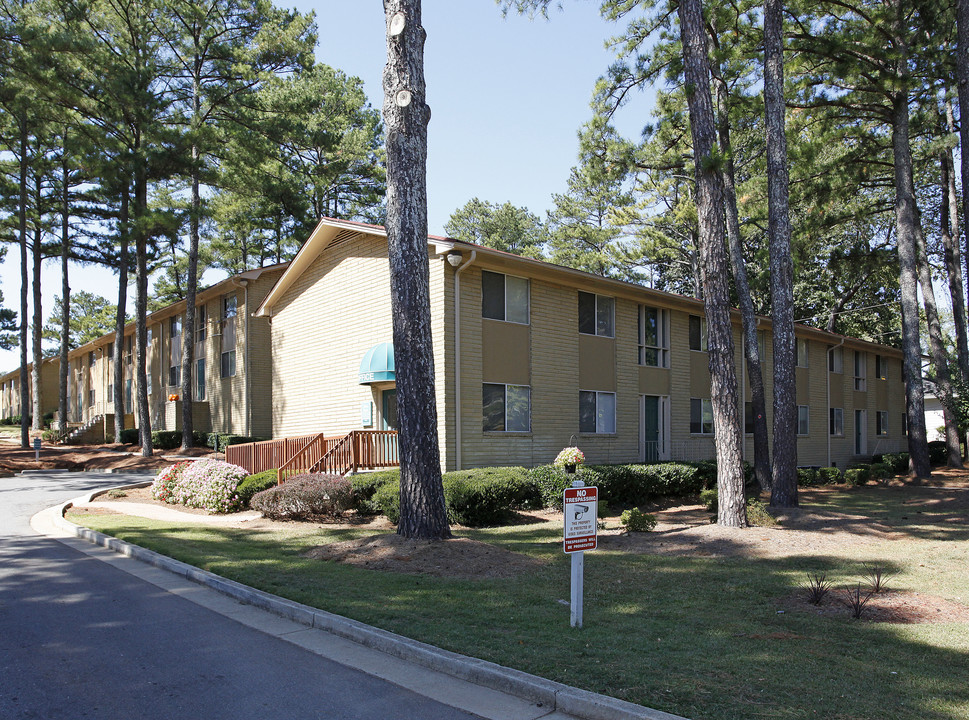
(654, 428)
(388, 420)
(861, 432)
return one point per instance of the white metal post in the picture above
(578, 579)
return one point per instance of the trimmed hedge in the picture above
(256, 483)
(365, 488)
(938, 454)
(220, 441)
(857, 475)
(807, 477)
(306, 495)
(829, 475)
(897, 461)
(129, 436)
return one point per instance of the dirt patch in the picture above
(456, 558)
(892, 606)
(115, 456)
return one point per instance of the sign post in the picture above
(36, 448)
(579, 504)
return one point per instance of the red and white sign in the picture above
(581, 519)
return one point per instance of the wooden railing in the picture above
(340, 454)
(359, 449)
(266, 455)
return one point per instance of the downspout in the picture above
(827, 371)
(457, 356)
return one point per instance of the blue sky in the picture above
(507, 96)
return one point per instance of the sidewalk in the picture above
(485, 689)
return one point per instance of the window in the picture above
(90, 359)
(597, 412)
(91, 397)
(654, 337)
(175, 351)
(762, 344)
(201, 317)
(127, 396)
(127, 350)
(802, 353)
(803, 420)
(506, 408)
(748, 417)
(701, 416)
(835, 360)
(504, 297)
(597, 315)
(861, 370)
(698, 333)
(837, 422)
(200, 379)
(229, 312)
(881, 367)
(904, 424)
(881, 423)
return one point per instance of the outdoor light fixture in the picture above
(454, 258)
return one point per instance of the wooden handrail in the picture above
(340, 454)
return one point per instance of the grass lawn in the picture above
(702, 637)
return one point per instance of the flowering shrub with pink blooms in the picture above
(207, 484)
(163, 486)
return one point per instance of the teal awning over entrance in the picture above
(378, 364)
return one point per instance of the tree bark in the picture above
(939, 355)
(141, 305)
(406, 114)
(191, 282)
(962, 88)
(784, 490)
(65, 288)
(37, 409)
(755, 375)
(953, 256)
(905, 220)
(715, 270)
(119, 322)
(22, 220)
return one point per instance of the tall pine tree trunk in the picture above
(905, 221)
(940, 358)
(24, 287)
(755, 375)
(949, 222)
(962, 87)
(141, 304)
(38, 322)
(784, 490)
(728, 436)
(422, 511)
(119, 321)
(65, 288)
(191, 282)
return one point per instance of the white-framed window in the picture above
(201, 317)
(881, 422)
(881, 367)
(861, 370)
(698, 333)
(230, 308)
(127, 349)
(802, 353)
(506, 408)
(597, 412)
(835, 360)
(836, 422)
(597, 315)
(803, 420)
(701, 416)
(654, 337)
(504, 297)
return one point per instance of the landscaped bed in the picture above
(692, 618)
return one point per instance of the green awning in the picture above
(378, 364)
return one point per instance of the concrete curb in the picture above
(553, 695)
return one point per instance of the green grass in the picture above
(699, 637)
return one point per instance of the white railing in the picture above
(693, 450)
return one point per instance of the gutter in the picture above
(457, 354)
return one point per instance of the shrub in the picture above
(829, 475)
(551, 483)
(897, 461)
(758, 515)
(49, 435)
(635, 520)
(881, 471)
(209, 484)
(709, 498)
(387, 498)
(166, 439)
(220, 441)
(163, 486)
(706, 472)
(254, 484)
(807, 476)
(365, 486)
(128, 436)
(307, 495)
(485, 496)
(856, 475)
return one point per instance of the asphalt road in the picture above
(80, 638)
